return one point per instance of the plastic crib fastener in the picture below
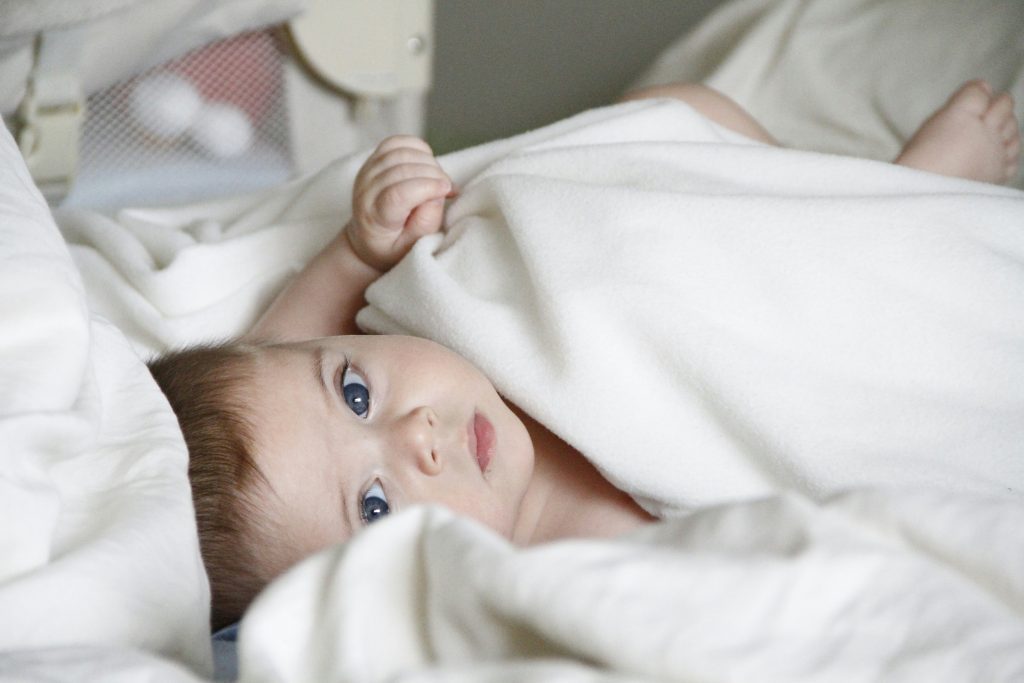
(51, 114)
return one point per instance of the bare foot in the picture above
(974, 135)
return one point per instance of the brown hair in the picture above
(205, 387)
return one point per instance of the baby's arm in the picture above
(398, 197)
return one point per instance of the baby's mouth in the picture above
(481, 440)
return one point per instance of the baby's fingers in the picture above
(396, 203)
(409, 171)
(403, 141)
(394, 151)
(381, 165)
(425, 219)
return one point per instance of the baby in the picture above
(304, 432)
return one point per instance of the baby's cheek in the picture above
(488, 512)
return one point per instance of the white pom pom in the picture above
(222, 130)
(165, 105)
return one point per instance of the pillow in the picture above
(96, 521)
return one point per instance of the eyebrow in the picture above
(318, 371)
(318, 375)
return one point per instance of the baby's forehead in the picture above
(278, 353)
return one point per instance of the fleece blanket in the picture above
(810, 364)
(814, 363)
(866, 587)
(711, 320)
(817, 358)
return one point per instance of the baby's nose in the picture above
(419, 431)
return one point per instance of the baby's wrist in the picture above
(353, 249)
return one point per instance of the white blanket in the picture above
(710, 320)
(819, 357)
(824, 354)
(868, 587)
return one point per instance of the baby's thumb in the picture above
(425, 218)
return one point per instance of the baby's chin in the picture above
(504, 528)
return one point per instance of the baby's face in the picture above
(350, 429)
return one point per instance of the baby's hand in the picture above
(398, 197)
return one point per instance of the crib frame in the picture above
(363, 67)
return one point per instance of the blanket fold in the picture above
(781, 589)
(98, 543)
(709, 319)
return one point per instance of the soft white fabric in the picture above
(710, 320)
(98, 544)
(26, 17)
(109, 664)
(709, 323)
(870, 586)
(174, 276)
(849, 76)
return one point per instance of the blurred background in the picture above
(171, 101)
(502, 68)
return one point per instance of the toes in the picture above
(1013, 158)
(1010, 130)
(1000, 109)
(974, 96)
(1013, 149)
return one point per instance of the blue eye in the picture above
(355, 391)
(374, 504)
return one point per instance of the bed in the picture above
(832, 349)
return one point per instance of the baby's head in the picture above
(204, 386)
(294, 447)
